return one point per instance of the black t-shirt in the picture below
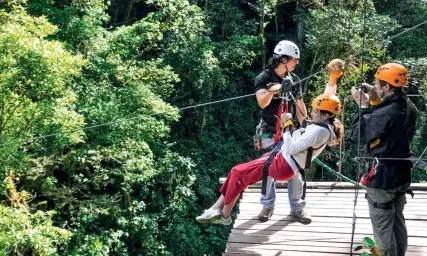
(269, 112)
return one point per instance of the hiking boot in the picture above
(223, 221)
(265, 214)
(301, 216)
(209, 216)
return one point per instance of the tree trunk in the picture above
(202, 122)
(276, 19)
(311, 71)
(300, 26)
(227, 9)
(261, 30)
(128, 9)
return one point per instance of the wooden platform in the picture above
(331, 208)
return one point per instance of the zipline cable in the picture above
(129, 119)
(365, 50)
(391, 158)
(193, 106)
(420, 158)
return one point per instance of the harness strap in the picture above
(301, 170)
(388, 205)
(310, 150)
(279, 114)
(408, 191)
(267, 165)
(383, 206)
(308, 158)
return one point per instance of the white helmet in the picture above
(288, 48)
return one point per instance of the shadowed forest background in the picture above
(76, 179)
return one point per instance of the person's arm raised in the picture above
(335, 67)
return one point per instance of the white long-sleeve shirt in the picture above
(296, 144)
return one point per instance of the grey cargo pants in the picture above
(389, 226)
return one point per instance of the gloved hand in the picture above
(361, 98)
(336, 67)
(274, 87)
(286, 120)
(373, 95)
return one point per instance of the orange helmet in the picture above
(394, 74)
(330, 103)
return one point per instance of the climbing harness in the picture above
(389, 205)
(267, 165)
(309, 156)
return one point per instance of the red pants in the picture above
(242, 175)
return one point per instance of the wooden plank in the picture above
(235, 247)
(334, 214)
(257, 191)
(331, 191)
(291, 248)
(346, 219)
(330, 185)
(322, 222)
(330, 231)
(409, 207)
(325, 200)
(310, 236)
(319, 229)
(254, 239)
(260, 252)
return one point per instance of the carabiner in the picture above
(375, 163)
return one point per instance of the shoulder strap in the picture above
(267, 165)
(311, 149)
(405, 123)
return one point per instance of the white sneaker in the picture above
(209, 216)
(222, 221)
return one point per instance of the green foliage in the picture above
(25, 233)
(35, 89)
(411, 13)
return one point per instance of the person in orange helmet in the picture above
(387, 125)
(285, 161)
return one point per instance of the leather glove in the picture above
(373, 95)
(286, 120)
(360, 97)
(336, 67)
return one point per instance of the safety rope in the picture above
(342, 141)
(329, 169)
(356, 188)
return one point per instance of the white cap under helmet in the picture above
(288, 48)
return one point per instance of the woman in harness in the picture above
(324, 129)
